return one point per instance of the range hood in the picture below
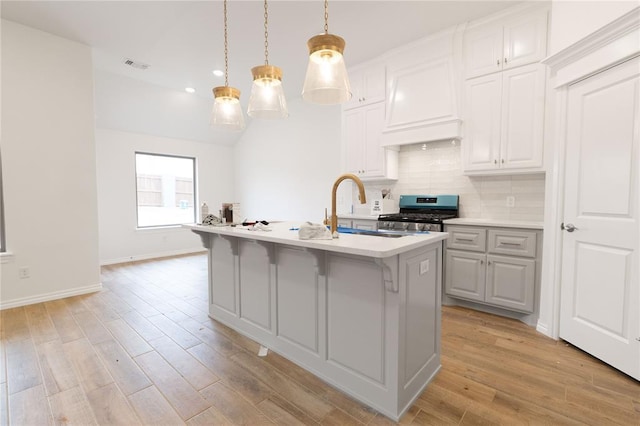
(423, 82)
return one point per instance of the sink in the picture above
(386, 234)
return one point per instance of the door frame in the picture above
(611, 45)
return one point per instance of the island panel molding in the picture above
(367, 324)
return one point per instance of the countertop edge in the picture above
(344, 244)
(499, 223)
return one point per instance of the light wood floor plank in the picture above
(14, 324)
(40, 324)
(190, 368)
(211, 416)
(236, 377)
(217, 341)
(181, 395)
(153, 408)
(57, 370)
(63, 321)
(173, 330)
(123, 369)
(92, 327)
(30, 407)
(233, 406)
(23, 371)
(282, 412)
(90, 370)
(111, 407)
(301, 397)
(128, 338)
(71, 407)
(4, 404)
(142, 326)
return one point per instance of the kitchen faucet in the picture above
(363, 199)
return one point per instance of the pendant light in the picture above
(267, 96)
(227, 112)
(326, 81)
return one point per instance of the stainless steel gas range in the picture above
(419, 213)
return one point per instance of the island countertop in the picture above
(362, 245)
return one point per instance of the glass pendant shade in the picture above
(227, 111)
(326, 81)
(267, 96)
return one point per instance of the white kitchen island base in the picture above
(367, 324)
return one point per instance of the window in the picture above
(165, 190)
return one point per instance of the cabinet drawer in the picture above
(467, 238)
(517, 243)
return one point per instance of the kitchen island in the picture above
(361, 312)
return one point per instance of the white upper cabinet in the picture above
(504, 95)
(365, 157)
(368, 85)
(500, 46)
(504, 121)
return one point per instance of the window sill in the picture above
(6, 257)
(162, 228)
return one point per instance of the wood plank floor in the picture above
(144, 351)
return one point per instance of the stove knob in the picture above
(421, 227)
(405, 226)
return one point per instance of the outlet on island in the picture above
(511, 201)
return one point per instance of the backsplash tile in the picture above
(437, 169)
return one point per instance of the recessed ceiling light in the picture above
(190, 90)
(218, 73)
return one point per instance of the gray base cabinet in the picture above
(493, 266)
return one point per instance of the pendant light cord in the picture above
(226, 49)
(266, 33)
(326, 16)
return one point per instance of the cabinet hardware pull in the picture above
(503, 161)
(497, 61)
(505, 60)
(482, 262)
(495, 161)
(465, 239)
(488, 262)
(511, 244)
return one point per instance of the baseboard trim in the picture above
(542, 328)
(50, 296)
(151, 256)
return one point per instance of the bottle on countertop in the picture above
(204, 211)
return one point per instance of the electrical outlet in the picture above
(511, 201)
(24, 272)
(424, 266)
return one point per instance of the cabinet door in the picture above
(353, 138)
(483, 51)
(369, 225)
(465, 275)
(481, 143)
(368, 85)
(510, 282)
(525, 40)
(522, 117)
(374, 155)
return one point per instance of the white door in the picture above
(600, 294)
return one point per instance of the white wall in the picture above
(573, 20)
(49, 168)
(286, 169)
(120, 240)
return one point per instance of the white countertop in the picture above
(358, 216)
(362, 245)
(503, 223)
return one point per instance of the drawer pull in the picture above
(511, 244)
(470, 240)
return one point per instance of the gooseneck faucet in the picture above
(363, 199)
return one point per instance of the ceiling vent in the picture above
(134, 64)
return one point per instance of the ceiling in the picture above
(182, 41)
